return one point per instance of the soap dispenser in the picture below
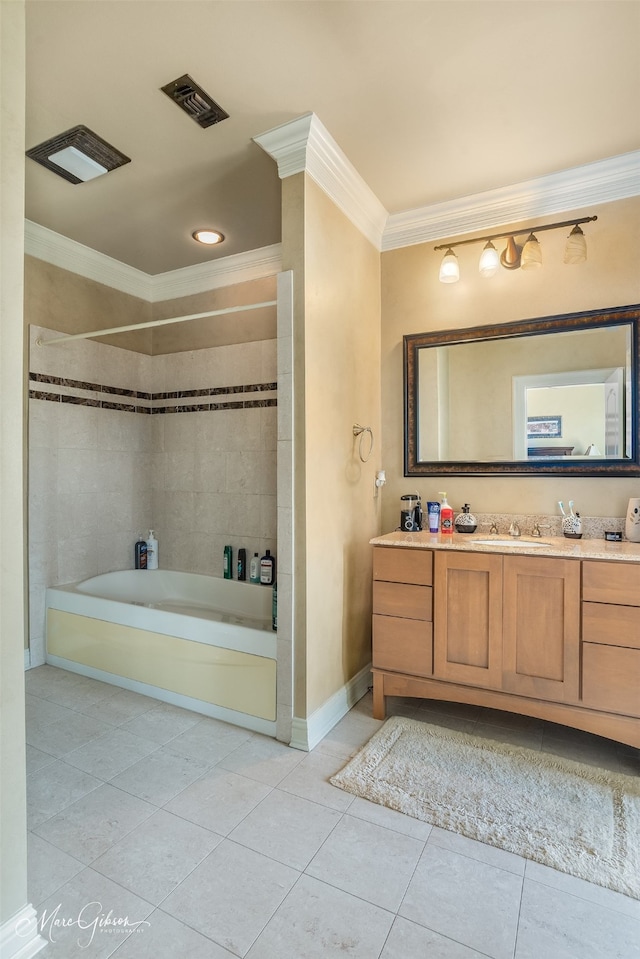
(465, 521)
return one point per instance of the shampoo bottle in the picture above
(140, 553)
(446, 516)
(227, 558)
(254, 569)
(267, 569)
(242, 564)
(152, 551)
(274, 609)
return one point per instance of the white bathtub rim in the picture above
(254, 724)
(243, 639)
(196, 589)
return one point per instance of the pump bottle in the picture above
(152, 551)
(446, 516)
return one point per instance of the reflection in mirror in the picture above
(555, 394)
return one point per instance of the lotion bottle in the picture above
(446, 516)
(152, 551)
(254, 569)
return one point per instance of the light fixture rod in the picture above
(144, 326)
(526, 229)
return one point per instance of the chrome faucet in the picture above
(493, 528)
(514, 530)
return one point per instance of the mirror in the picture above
(552, 395)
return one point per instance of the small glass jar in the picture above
(465, 522)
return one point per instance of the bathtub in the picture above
(195, 641)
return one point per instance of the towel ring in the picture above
(360, 431)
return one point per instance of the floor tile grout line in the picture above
(576, 895)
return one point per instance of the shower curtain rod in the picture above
(143, 326)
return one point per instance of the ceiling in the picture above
(430, 100)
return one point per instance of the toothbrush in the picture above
(561, 507)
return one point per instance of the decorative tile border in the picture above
(150, 399)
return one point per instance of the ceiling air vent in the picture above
(194, 101)
(78, 155)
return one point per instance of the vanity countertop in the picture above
(522, 545)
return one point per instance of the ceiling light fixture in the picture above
(78, 155)
(514, 256)
(209, 237)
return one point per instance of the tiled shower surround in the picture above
(121, 442)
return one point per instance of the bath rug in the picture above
(576, 818)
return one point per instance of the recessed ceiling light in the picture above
(78, 155)
(210, 237)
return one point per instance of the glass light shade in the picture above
(210, 237)
(489, 260)
(575, 250)
(449, 269)
(531, 254)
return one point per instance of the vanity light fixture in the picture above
(575, 250)
(514, 256)
(531, 257)
(209, 237)
(449, 269)
(489, 260)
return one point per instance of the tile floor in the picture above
(213, 842)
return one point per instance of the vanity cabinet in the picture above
(551, 637)
(541, 627)
(508, 622)
(611, 638)
(468, 625)
(402, 611)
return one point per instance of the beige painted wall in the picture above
(217, 330)
(413, 301)
(57, 299)
(13, 834)
(341, 388)
(60, 300)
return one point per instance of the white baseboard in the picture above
(307, 733)
(19, 937)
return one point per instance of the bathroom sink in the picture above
(511, 541)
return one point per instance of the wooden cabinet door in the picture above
(541, 629)
(468, 618)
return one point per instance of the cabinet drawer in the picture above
(403, 565)
(611, 583)
(612, 625)
(399, 599)
(611, 678)
(402, 645)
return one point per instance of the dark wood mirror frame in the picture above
(561, 466)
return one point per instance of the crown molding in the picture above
(615, 178)
(69, 255)
(305, 145)
(238, 268)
